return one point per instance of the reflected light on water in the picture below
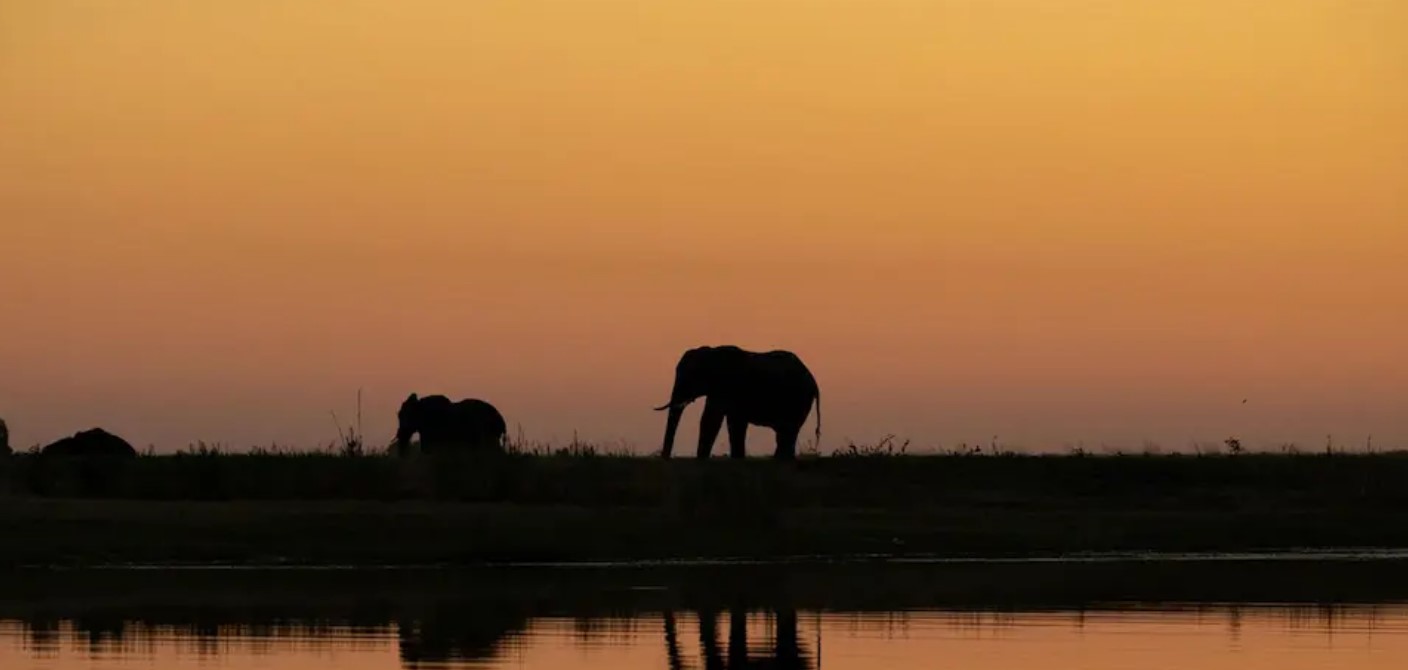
(1115, 636)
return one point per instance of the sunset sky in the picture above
(1094, 221)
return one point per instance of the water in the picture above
(1239, 612)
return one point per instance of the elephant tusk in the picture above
(673, 405)
(664, 407)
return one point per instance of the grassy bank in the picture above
(377, 510)
(1178, 481)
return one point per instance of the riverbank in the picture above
(380, 511)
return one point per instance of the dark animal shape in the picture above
(4, 439)
(94, 442)
(786, 652)
(446, 427)
(773, 389)
(472, 635)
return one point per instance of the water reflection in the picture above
(778, 618)
(732, 639)
(446, 634)
(436, 640)
(785, 652)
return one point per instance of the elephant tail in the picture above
(818, 420)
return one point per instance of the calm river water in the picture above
(1143, 614)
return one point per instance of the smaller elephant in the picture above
(4, 439)
(447, 427)
(94, 442)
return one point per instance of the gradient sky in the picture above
(1087, 221)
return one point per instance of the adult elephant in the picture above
(773, 389)
(93, 442)
(446, 426)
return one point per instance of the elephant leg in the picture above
(672, 642)
(709, 426)
(737, 637)
(788, 649)
(786, 443)
(737, 437)
(709, 640)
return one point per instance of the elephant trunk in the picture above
(403, 440)
(680, 397)
(672, 422)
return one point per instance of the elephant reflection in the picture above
(773, 389)
(786, 652)
(463, 633)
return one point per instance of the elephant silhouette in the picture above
(786, 652)
(95, 457)
(93, 442)
(773, 389)
(446, 427)
(4, 439)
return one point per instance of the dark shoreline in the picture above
(96, 532)
(861, 586)
(334, 510)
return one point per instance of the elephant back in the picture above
(481, 422)
(465, 425)
(482, 414)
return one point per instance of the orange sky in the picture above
(1053, 222)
